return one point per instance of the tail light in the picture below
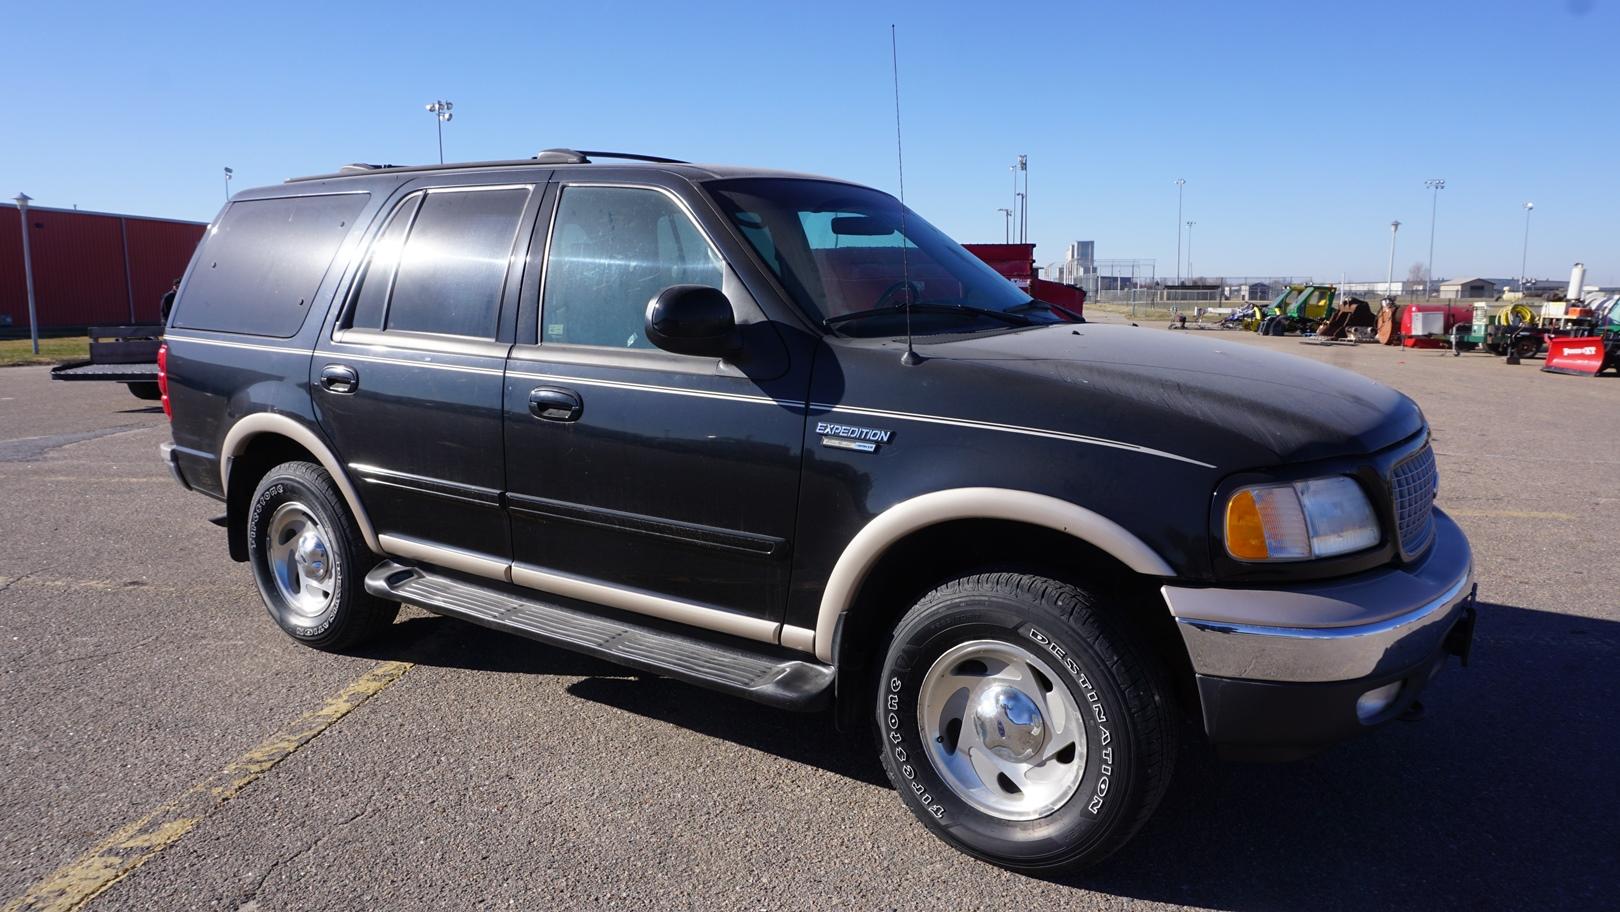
(163, 379)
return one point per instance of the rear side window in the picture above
(453, 264)
(259, 268)
(612, 250)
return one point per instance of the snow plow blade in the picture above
(1584, 355)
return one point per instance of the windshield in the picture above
(841, 250)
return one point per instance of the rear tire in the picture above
(1020, 725)
(310, 560)
(147, 391)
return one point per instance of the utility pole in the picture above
(28, 271)
(1006, 225)
(1524, 257)
(441, 114)
(1389, 282)
(1435, 184)
(228, 173)
(1180, 182)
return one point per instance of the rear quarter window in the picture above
(259, 267)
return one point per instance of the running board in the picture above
(786, 683)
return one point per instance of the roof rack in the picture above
(583, 157)
(544, 157)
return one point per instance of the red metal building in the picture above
(90, 268)
(1017, 263)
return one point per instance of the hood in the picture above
(1217, 400)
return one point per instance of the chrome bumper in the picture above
(1377, 623)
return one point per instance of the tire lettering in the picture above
(1098, 712)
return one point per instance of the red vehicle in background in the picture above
(1017, 263)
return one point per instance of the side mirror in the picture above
(692, 320)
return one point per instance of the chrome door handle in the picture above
(339, 378)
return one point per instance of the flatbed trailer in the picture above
(120, 354)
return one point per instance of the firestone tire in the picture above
(1126, 735)
(310, 560)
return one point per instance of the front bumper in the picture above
(1280, 671)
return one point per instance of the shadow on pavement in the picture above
(1504, 796)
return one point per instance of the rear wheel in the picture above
(310, 560)
(1020, 726)
(147, 391)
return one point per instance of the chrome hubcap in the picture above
(1009, 723)
(1002, 729)
(300, 560)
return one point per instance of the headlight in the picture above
(1321, 517)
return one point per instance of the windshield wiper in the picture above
(1037, 302)
(933, 308)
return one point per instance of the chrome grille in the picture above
(1413, 485)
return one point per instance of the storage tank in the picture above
(1577, 278)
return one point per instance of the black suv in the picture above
(776, 435)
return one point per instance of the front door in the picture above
(639, 479)
(409, 383)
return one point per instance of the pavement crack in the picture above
(252, 896)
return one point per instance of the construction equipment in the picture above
(1583, 336)
(1513, 331)
(1300, 308)
(1593, 345)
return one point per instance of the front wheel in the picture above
(1020, 725)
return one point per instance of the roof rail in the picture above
(583, 157)
(546, 157)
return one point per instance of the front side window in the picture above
(440, 264)
(840, 250)
(612, 250)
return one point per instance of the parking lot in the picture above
(156, 721)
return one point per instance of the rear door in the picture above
(639, 479)
(409, 383)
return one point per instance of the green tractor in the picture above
(1300, 308)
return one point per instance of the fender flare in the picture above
(884, 530)
(251, 426)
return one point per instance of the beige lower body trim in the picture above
(640, 602)
(453, 558)
(904, 518)
(237, 438)
(800, 638)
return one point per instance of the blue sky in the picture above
(1302, 129)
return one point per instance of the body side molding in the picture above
(900, 520)
(237, 438)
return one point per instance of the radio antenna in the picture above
(911, 357)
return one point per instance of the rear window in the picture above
(258, 270)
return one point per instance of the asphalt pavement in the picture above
(161, 734)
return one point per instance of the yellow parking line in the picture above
(136, 843)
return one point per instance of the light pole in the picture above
(1023, 221)
(1524, 257)
(1006, 224)
(1180, 182)
(1190, 224)
(228, 173)
(1389, 281)
(1435, 184)
(1023, 200)
(441, 115)
(28, 271)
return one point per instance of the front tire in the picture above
(1022, 726)
(309, 559)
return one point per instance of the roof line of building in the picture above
(122, 215)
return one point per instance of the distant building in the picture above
(1468, 289)
(1248, 291)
